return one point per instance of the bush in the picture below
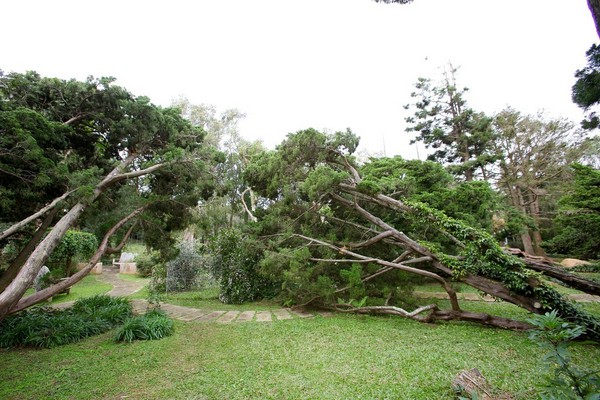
(234, 264)
(153, 325)
(189, 270)
(569, 381)
(146, 262)
(47, 327)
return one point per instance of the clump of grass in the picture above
(153, 325)
(46, 327)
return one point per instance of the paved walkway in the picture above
(122, 287)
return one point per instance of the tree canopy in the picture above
(89, 154)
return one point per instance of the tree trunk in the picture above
(16, 289)
(54, 289)
(594, 6)
(18, 262)
(534, 210)
(527, 242)
(572, 280)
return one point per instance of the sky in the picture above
(326, 64)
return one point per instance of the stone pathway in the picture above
(122, 287)
(189, 314)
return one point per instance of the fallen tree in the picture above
(314, 176)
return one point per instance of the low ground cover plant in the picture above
(153, 325)
(47, 327)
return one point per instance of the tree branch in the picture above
(15, 228)
(52, 290)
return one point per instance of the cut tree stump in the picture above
(473, 383)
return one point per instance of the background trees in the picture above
(578, 221)
(535, 156)
(460, 136)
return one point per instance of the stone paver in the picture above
(211, 316)
(246, 316)
(121, 287)
(264, 316)
(229, 316)
(282, 314)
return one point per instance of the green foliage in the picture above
(75, 245)
(189, 270)
(428, 182)
(235, 266)
(153, 325)
(321, 180)
(461, 137)
(579, 219)
(568, 381)
(353, 277)
(46, 327)
(586, 90)
(145, 263)
(483, 256)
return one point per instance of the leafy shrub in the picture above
(569, 381)
(189, 270)
(235, 265)
(146, 262)
(73, 246)
(47, 327)
(153, 325)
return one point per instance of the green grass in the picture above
(343, 357)
(208, 299)
(88, 286)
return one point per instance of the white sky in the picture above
(294, 64)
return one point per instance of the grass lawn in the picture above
(88, 286)
(208, 299)
(342, 357)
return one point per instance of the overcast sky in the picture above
(327, 64)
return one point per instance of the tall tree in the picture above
(118, 155)
(536, 152)
(578, 221)
(460, 136)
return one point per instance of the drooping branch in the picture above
(113, 250)
(438, 315)
(371, 241)
(17, 262)
(15, 228)
(58, 287)
(25, 277)
(486, 285)
(400, 266)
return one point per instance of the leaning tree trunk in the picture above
(23, 280)
(17, 263)
(62, 285)
(594, 6)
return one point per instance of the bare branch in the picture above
(15, 228)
